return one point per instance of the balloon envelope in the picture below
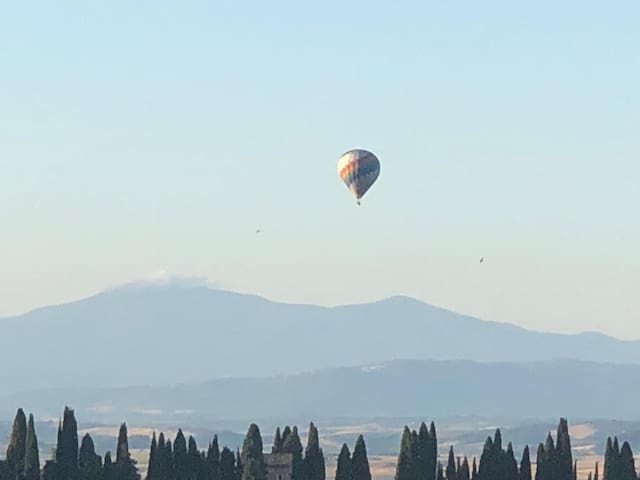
(358, 169)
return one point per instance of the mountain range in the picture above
(166, 334)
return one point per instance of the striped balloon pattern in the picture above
(358, 169)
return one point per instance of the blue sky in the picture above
(145, 136)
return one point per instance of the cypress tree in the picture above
(627, 467)
(32, 455)
(239, 466)
(17, 445)
(89, 463)
(474, 471)
(285, 433)
(293, 445)
(343, 468)
(564, 460)
(432, 457)
(423, 452)
(488, 463)
(440, 473)
(551, 458)
(125, 465)
(50, 470)
(464, 471)
(180, 457)
(194, 460)
(212, 462)
(596, 474)
(610, 460)
(510, 466)
(109, 471)
(542, 466)
(451, 465)
(153, 466)
(227, 465)
(277, 442)
(497, 440)
(525, 465)
(166, 465)
(360, 462)
(406, 462)
(252, 456)
(67, 449)
(313, 456)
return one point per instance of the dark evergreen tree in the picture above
(167, 465)
(360, 462)
(109, 471)
(239, 466)
(525, 465)
(227, 465)
(440, 472)
(293, 445)
(195, 464)
(32, 454)
(67, 449)
(564, 459)
(125, 465)
(17, 445)
(49, 471)
(432, 453)
(314, 465)
(212, 462)
(627, 467)
(180, 457)
(285, 433)
(551, 457)
(474, 471)
(488, 461)
(252, 457)
(343, 467)
(153, 466)
(423, 453)
(6, 472)
(543, 468)
(89, 462)
(610, 461)
(596, 474)
(464, 472)
(277, 442)
(509, 465)
(406, 466)
(451, 465)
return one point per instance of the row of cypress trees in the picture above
(182, 460)
(69, 462)
(554, 460)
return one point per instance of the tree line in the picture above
(181, 459)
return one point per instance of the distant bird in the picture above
(258, 231)
(481, 259)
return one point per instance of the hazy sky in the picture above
(138, 136)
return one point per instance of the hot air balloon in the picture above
(358, 169)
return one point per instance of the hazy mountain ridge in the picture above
(164, 334)
(420, 388)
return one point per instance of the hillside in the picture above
(399, 389)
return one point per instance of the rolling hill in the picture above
(397, 389)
